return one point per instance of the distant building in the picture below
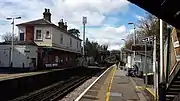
(56, 47)
(139, 60)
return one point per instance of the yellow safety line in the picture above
(110, 85)
(148, 89)
(139, 87)
(151, 92)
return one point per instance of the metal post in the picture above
(12, 43)
(83, 39)
(121, 55)
(155, 68)
(84, 23)
(12, 39)
(162, 85)
(145, 65)
(161, 52)
(134, 41)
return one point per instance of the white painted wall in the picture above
(4, 56)
(55, 38)
(56, 35)
(45, 41)
(19, 55)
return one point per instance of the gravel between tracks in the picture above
(76, 92)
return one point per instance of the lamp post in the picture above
(122, 52)
(12, 38)
(84, 26)
(134, 42)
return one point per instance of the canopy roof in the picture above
(167, 10)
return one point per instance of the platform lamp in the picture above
(12, 38)
(134, 42)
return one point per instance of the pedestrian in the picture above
(136, 69)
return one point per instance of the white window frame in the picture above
(48, 37)
(40, 33)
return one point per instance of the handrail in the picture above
(177, 98)
(176, 66)
(174, 72)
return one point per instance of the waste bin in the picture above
(150, 78)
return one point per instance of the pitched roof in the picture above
(36, 22)
(168, 10)
(46, 22)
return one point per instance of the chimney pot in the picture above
(47, 14)
(65, 26)
(61, 20)
(61, 24)
(45, 10)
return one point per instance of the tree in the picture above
(8, 37)
(74, 32)
(94, 49)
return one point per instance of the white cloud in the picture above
(108, 35)
(72, 12)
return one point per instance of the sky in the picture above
(107, 20)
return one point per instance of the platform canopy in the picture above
(167, 10)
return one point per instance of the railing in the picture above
(177, 98)
(175, 52)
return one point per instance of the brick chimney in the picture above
(61, 24)
(47, 15)
(65, 26)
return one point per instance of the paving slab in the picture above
(122, 88)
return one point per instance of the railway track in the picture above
(58, 90)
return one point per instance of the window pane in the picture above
(48, 34)
(38, 34)
(21, 36)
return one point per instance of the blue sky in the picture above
(107, 19)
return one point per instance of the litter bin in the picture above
(150, 78)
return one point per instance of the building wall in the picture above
(54, 40)
(45, 41)
(21, 54)
(140, 62)
(66, 41)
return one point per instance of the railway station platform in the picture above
(114, 85)
(123, 88)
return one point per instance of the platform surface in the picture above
(114, 86)
(122, 88)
